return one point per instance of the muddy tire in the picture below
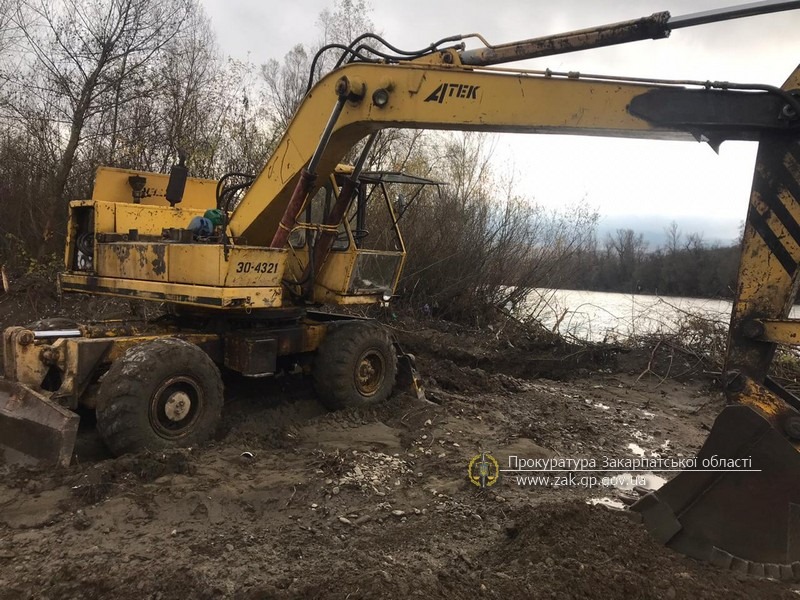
(162, 394)
(355, 365)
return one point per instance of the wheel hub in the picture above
(177, 406)
(369, 373)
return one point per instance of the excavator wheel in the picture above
(355, 365)
(162, 394)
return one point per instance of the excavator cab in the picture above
(367, 255)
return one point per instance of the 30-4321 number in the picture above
(257, 267)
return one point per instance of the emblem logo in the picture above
(484, 471)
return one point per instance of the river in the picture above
(607, 316)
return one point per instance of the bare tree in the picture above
(286, 84)
(190, 74)
(86, 57)
(480, 244)
(629, 249)
(245, 133)
(673, 236)
(347, 20)
(695, 242)
(7, 29)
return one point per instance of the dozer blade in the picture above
(33, 429)
(745, 521)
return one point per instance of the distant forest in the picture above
(684, 266)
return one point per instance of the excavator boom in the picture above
(456, 89)
(420, 96)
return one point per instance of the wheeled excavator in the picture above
(243, 262)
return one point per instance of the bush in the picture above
(476, 245)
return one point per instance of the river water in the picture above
(607, 316)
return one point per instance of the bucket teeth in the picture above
(721, 558)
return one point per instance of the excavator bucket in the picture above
(745, 518)
(33, 429)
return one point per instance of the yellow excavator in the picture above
(242, 261)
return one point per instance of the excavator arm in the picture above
(365, 98)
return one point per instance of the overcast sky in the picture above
(684, 181)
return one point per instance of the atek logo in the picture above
(454, 90)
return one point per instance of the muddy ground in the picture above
(290, 501)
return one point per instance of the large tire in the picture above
(355, 365)
(162, 394)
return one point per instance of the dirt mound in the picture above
(574, 550)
